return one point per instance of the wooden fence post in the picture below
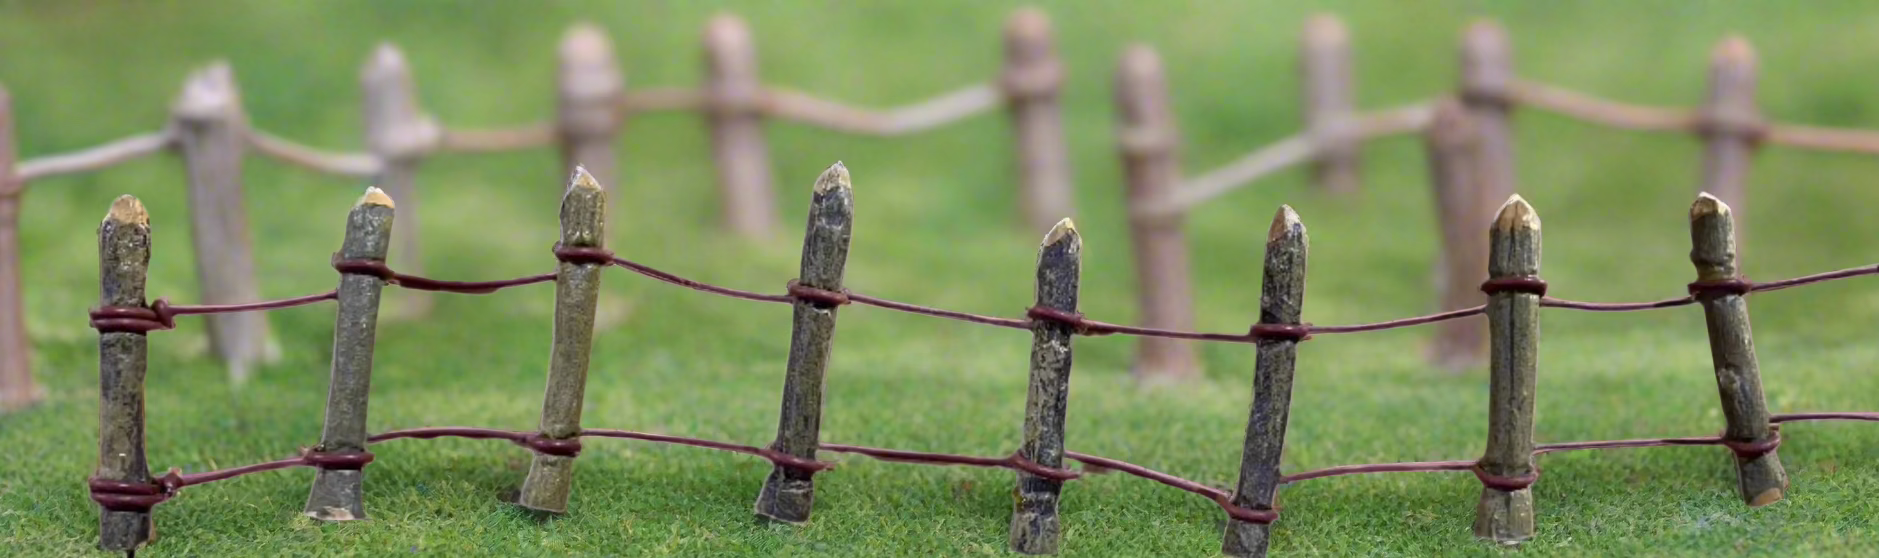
(789, 493)
(1514, 289)
(577, 290)
(338, 488)
(1720, 288)
(1486, 70)
(1330, 114)
(1731, 125)
(211, 132)
(1036, 527)
(1281, 302)
(17, 389)
(735, 96)
(399, 134)
(123, 264)
(589, 116)
(1460, 212)
(1148, 141)
(1033, 84)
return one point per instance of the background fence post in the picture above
(17, 389)
(1731, 125)
(338, 487)
(124, 263)
(1330, 114)
(1459, 344)
(1719, 287)
(735, 107)
(1506, 468)
(1033, 84)
(589, 115)
(399, 134)
(211, 132)
(789, 493)
(1486, 70)
(1036, 527)
(577, 290)
(1281, 302)
(1147, 140)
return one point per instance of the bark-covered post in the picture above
(17, 389)
(1459, 344)
(399, 133)
(1033, 85)
(1148, 142)
(123, 264)
(1731, 124)
(211, 135)
(1281, 301)
(1506, 467)
(1720, 288)
(789, 493)
(338, 488)
(1036, 527)
(577, 290)
(1330, 113)
(589, 115)
(734, 97)
(1486, 71)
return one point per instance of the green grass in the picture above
(935, 225)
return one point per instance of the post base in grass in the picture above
(1245, 539)
(1505, 517)
(338, 495)
(124, 531)
(550, 480)
(784, 499)
(1761, 481)
(1035, 525)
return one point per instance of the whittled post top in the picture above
(128, 210)
(1325, 31)
(1514, 247)
(387, 62)
(1712, 239)
(1517, 215)
(1285, 224)
(374, 196)
(834, 178)
(583, 211)
(208, 93)
(1064, 229)
(1029, 25)
(1734, 50)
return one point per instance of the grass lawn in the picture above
(935, 225)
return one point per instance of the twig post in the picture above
(338, 488)
(734, 94)
(577, 290)
(1460, 211)
(1033, 85)
(1148, 142)
(1506, 467)
(589, 114)
(1281, 302)
(123, 264)
(1759, 477)
(1325, 61)
(210, 134)
(789, 493)
(1036, 527)
(17, 389)
(1731, 125)
(399, 134)
(1486, 70)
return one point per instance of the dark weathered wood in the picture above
(211, 130)
(338, 494)
(589, 115)
(1330, 111)
(789, 494)
(1514, 324)
(1732, 124)
(1486, 71)
(1033, 84)
(400, 135)
(1148, 142)
(1759, 480)
(1035, 525)
(123, 264)
(577, 290)
(1459, 344)
(734, 96)
(1281, 301)
(17, 389)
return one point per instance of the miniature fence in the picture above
(212, 134)
(127, 492)
(1469, 149)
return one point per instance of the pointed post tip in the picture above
(1065, 228)
(374, 196)
(1284, 222)
(1325, 29)
(583, 180)
(129, 210)
(1029, 22)
(836, 177)
(586, 40)
(1707, 204)
(1517, 214)
(1734, 49)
